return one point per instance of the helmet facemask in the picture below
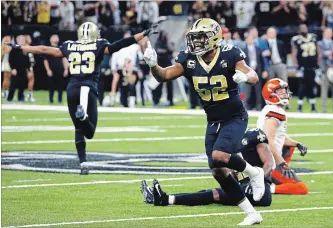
(198, 42)
(283, 94)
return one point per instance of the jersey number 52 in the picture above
(217, 93)
(75, 62)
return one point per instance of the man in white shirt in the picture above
(278, 67)
(244, 11)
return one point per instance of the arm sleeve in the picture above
(116, 46)
(62, 48)
(181, 58)
(238, 54)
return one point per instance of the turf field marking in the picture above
(136, 181)
(37, 180)
(153, 111)
(170, 217)
(71, 128)
(144, 139)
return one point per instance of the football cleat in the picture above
(84, 168)
(80, 113)
(160, 197)
(258, 184)
(147, 192)
(251, 219)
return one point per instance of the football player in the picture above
(84, 57)
(305, 58)
(214, 71)
(255, 151)
(273, 121)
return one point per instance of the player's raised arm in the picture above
(161, 74)
(244, 73)
(125, 42)
(41, 49)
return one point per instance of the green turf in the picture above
(105, 201)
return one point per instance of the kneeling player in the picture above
(255, 151)
(273, 121)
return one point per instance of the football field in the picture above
(41, 186)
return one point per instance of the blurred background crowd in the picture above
(262, 29)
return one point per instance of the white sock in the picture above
(250, 170)
(171, 199)
(131, 101)
(300, 102)
(272, 188)
(247, 207)
(312, 101)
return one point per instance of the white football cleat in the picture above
(258, 184)
(251, 219)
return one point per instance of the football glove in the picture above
(14, 46)
(302, 149)
(151, 30)
(239, 77)
(286, 171)
(150, 55)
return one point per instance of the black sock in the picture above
(231, 187)
(88, 128)
(313, 107)
(80, 144)
(194, 199)
(236, 163)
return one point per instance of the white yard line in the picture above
(170, 217)
(144, 139)
(37, 180)
(135, 181)
(153, 111)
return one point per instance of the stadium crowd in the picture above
(253, 26)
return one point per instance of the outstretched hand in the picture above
(150, 55)
(151, 30)
(302, 149)
(14, 46)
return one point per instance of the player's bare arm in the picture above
(252, 76)
(293, 143)
(294, 53)
(39, 50)
(266, 157)
(270, 128)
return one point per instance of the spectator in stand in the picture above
(199, 10)
(130, 15)
(310, 14)
(325, 52)
(105, 12)
(57, 70)
(238, 40)
(54, 12)
(253, 31)
(278, 57)
(263, 14)
(30, 12)
(214, 10)
(283, 14)
(43, 12)
(327, 8)
(15, 13)
(244, 11)
(255, 60)
(90, 9)
(226, 34)
(228, 14)
(147, 13)
(116, 12)
(66, 11)
(4, 12)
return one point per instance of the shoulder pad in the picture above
(273, 111)
(182, 57)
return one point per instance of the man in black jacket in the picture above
(255, 60)
(278, 67)
(20, 64)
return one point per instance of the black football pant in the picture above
(307, 84)
(157, 93)
(88, 98)
(17, 82)
(56, 82)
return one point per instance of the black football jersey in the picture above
(251, 138)
(306, 50)
(84, 61)
(213, 82)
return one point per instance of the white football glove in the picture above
(150, 55)
(239, 77)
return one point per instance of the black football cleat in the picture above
(80, 113)
(84, 169)
(160, 197)
(147, 192)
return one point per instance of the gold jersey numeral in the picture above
(217, 93)
(75, 62)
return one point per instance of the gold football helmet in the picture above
(88, 32)
(205, 35)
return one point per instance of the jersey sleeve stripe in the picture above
(276, 115)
